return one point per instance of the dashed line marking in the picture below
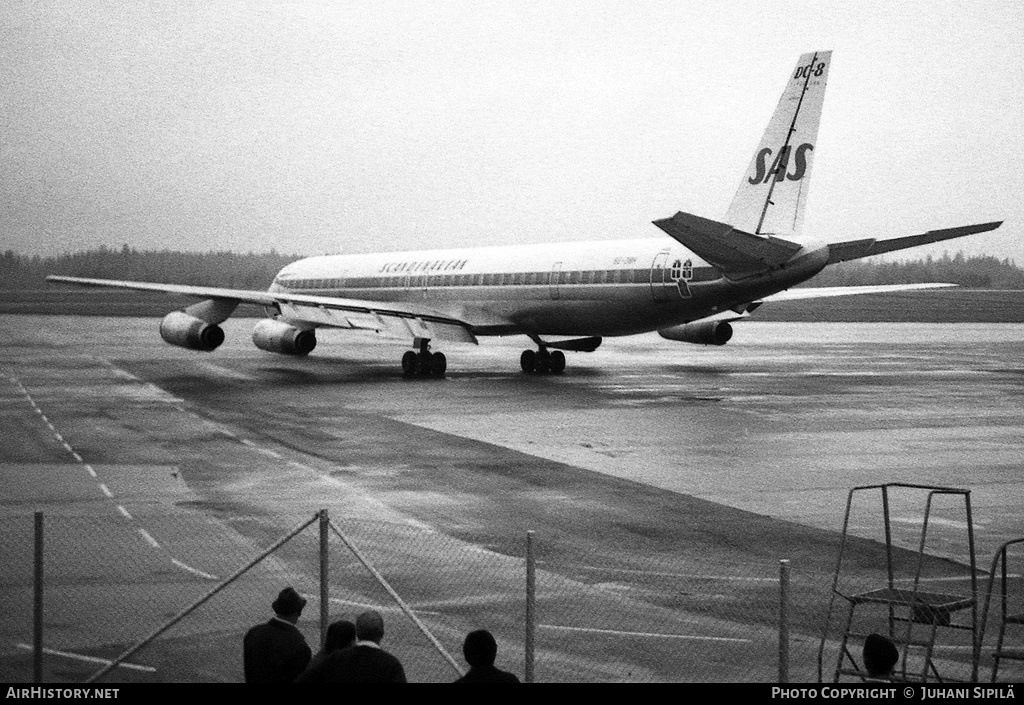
(149, 539)
(120, 508)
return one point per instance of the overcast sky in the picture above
(323, 127)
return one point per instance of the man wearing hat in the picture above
(277, 652)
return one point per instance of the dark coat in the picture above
(357, 664)
(275, 652)
(488, 674)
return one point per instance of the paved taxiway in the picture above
(644, 453)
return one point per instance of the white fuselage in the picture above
(602, 288)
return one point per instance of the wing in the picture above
(389, 318)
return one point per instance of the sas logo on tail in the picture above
(781, 164)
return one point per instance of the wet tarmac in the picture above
(646, 457)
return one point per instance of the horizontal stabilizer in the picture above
(725, 247)
(855, 249)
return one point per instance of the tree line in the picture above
(257, 270)
(975, 272)
(214, 268)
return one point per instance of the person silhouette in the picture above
(880, 656)
(277, 652)
(341, 634)
(480, 650)
(365, 662)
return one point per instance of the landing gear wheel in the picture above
(543, 361)
(438, 364)
(528, 361)
(557, 362)
(409, 363)
(424, 363)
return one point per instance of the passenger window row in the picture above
(594, 276)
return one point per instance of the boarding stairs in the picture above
(1012, 622)
(915, 618)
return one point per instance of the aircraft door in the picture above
(661, 281)
(553, 277)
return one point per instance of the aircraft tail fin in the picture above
(773, 191)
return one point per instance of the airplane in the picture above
(690, 286)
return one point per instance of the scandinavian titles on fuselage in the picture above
(450, 265)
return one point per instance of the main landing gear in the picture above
(424, 363)
(542, 361)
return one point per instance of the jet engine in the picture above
(706, 333)
(187, 331)
(279, 337)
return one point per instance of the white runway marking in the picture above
(90, 659)
(152, 541)
(365, 605)
(257, 447)
(190, 569)
(691, 576)
(918, 521)
(615, 632)
(106, 491)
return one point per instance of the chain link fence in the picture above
(108, 585)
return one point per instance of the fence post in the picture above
(324, 578)
(783, 621)
(531, 596)
(37, 607)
